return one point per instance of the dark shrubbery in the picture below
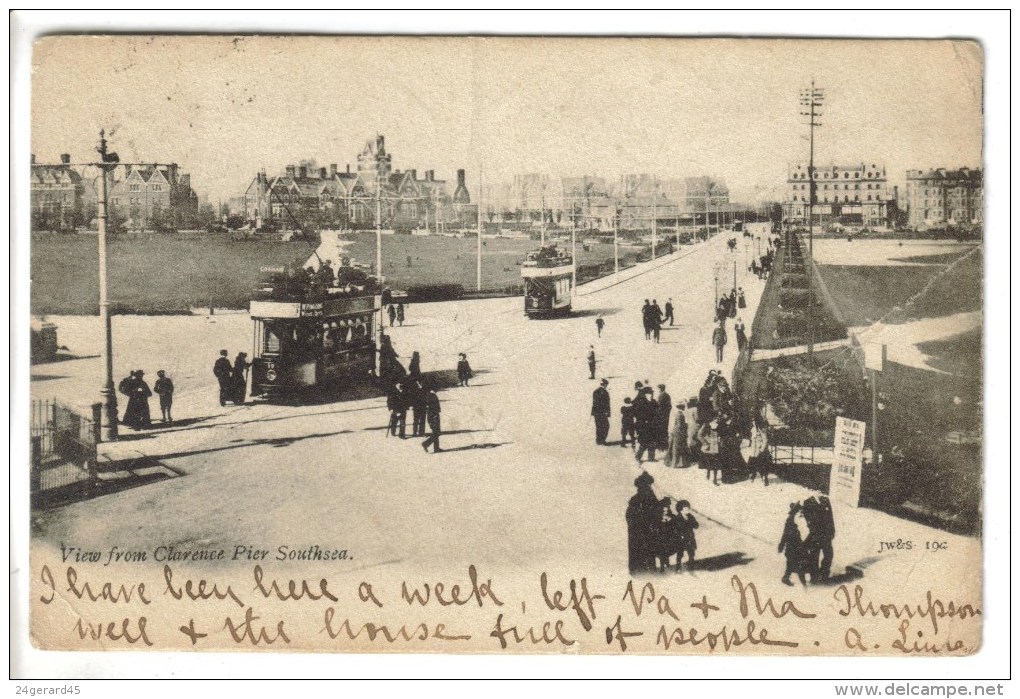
(794, 281)
(794, 298)
(434, 292)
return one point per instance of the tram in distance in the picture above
(548, 276)
(313, 334)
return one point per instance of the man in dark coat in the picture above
(663, 408)
(644, 417)
(222, 371)
(164, 388)
(719, 340)
(792, 545)
(239, 377)
(600, 411)
(669, 311)
(418, 408)
(433, 410)
(591, 361)
(397, 403)
(646, 318)
(641, 512)
(627, 435)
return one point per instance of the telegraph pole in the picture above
(616, 239)
(108, 428)
(810, 101)
(655, 191)
(478, 203)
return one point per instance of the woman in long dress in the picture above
(136, 414)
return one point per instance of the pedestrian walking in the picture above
(669, 311)
(676, 449)
(663, 408)
(464, 372)
(164, 388)
(759, 460)
(738, 329)
(591, 361)
(646, 318)
(136, 415)
(641, 511)
(708, 437)
(719, 340)
(600, 411)
(792, 544)
(400, 314)
(397, 403)
(741, 301)
(665, 543)
(417, 398)
(392, 313)
(627, 434)
(685, 523)
(414, 368)
(239, 377)
(433, 411)
(645, 424)
(600, 323)
(691, 417)
(222, 372)
(656, 314)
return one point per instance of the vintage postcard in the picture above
(507, 345)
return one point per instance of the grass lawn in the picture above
(866, 294)
(153, 273)
(150, 273)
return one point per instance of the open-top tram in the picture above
(548, 276)
(312, 337)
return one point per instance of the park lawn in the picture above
(171, 273)
(151, 273)
(865, 294)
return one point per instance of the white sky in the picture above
(674, 107)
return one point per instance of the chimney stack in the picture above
(348, 168)
(303, 171)
(414, 175)
(33, 158)
(430, 175)
(322, 173)
(290, 171)
(460, 178)
(65, 158)
(332, 170)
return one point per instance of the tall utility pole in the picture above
(810, 101)
(655, 191)
(478, 266)
(616, 238)
(573, 249)
(108, 427)
(378, 266)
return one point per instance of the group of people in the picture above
(659, 537)
(416, 394)
(233, 378)
(395, 311)
(763, 265)
(644, 419)
(652, 317)
(136, 413)
(728, 304)
(807, 540)
(411, 391)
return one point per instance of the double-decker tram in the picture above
(313, 333)
(548, 281)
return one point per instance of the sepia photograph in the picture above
(505, 345)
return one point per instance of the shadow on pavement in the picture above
(721, 562)
(483, 445)
(592, 312)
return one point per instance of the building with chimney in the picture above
(57, 196)
(939, 197)
(152, 197)
(854, 195)
(316, 197)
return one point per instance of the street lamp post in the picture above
(108, 428)
(616, 240)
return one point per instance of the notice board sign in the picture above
(847, 457)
